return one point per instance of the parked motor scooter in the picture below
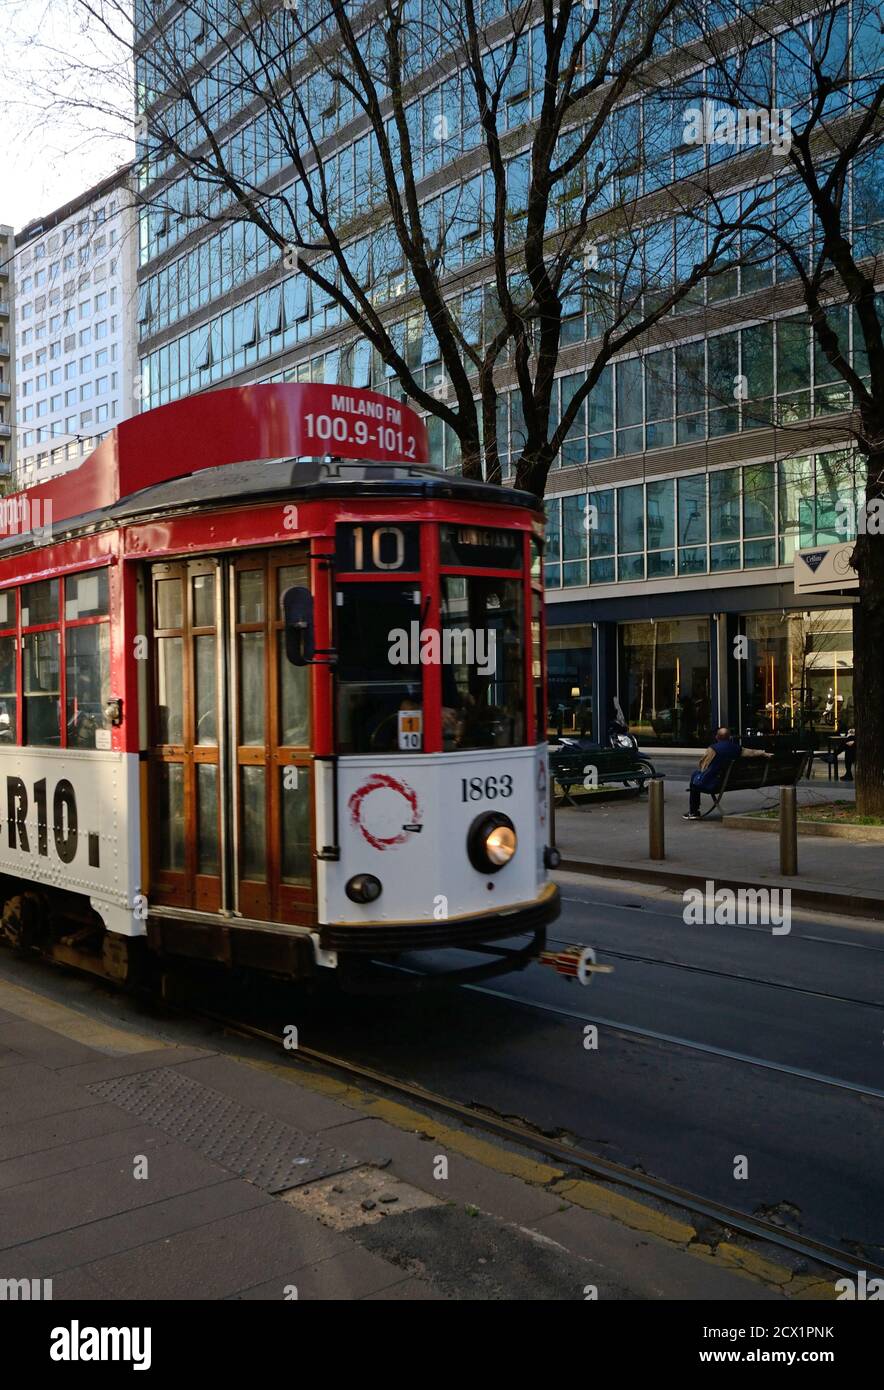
(620, 737)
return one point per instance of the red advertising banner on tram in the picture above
(288, 420)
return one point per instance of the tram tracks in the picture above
(575, 1159)
(629, 1029)
(634, 909)
(728, 975)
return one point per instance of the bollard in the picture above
(788, 830)
(655, 819)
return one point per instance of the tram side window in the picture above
(483, 671)
(294, 682)
(87, 656)
(41, 664)
(8, 672)
(375, 677)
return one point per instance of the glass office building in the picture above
(676, 508)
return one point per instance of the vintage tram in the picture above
(271, 695)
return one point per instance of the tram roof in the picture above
(233, 445)
(299, 478)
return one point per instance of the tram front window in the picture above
(483, 663)
(376, 679)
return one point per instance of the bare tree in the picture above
(825, 100)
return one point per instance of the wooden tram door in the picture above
(231, 812)
(184, 753)
(270, 737)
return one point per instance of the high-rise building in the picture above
(75, 337)
(706, 456)
(7, 354)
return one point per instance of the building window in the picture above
(569, 667)
(664, 680)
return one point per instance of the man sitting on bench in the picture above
(712, 767)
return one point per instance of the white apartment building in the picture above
(7, 354)
(75, 333)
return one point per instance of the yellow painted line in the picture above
(593, 1197)
(70, 1023)
(807, 1286)
(786, 1281)
(747, 1262)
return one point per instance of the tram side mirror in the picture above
(297, 608)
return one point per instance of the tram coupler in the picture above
(575, 963)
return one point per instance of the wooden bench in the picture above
(751, 774)
(571, 767)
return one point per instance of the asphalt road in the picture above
(717, 1042)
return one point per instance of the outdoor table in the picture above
(835, 745)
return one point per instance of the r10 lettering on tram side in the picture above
(65, 830)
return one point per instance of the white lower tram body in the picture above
(88, 839)
(404, 819)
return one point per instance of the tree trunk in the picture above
(868, 672)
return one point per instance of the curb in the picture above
(829, 830)
(846, 904)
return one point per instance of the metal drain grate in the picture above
(265, 1151)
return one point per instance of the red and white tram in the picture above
(278, 713)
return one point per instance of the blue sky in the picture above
(54, 147)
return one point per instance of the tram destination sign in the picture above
(483, 547)
(348, 423)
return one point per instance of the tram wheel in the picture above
(23, 923)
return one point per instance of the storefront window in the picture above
(569, 678)
(798, 673)
(664, 680)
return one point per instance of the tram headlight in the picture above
(363, 888)
(491, 842)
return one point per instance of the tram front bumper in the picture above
(465, 933)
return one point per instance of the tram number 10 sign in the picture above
(377, 548)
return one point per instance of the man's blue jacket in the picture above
(708, 778)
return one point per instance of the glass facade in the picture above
(668, 396)
(749, 517)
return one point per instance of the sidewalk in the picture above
(132, 1171)
(610, 837)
